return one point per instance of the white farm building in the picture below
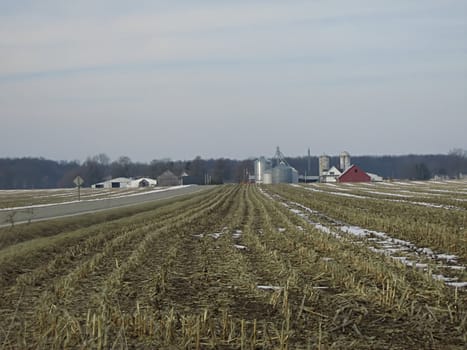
(123, 182)
(330, 175)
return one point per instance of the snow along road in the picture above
(21, 215)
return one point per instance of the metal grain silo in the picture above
(324, 162)
(344, 160)
(260, 168)
(294, 176)
(282, 173)
(267, 179)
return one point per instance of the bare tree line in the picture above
(43, 173)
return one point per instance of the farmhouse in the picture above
(331, 175)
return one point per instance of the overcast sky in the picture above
(215, 78)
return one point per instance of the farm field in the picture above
(317, 266)
(22, 198)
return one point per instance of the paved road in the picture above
(44, 212)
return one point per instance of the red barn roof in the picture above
(354, 174)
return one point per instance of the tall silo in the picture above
(260, 167)
(344, 160)
(324, 162)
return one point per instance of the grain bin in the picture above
(267, 179)
(294, 176)
(282, 173)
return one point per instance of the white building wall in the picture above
(331, 175)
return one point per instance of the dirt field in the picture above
(241, 267)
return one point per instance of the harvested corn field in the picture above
(240, 267)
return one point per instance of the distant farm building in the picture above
(331, 175)
(123, 182)
(354, 174)
(192, 180)
(144, 182)
(168, 178)
(346, 171)
(274, 171)
(375, 178)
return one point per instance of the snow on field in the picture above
(335, 193)
(400, 250)
(116, 195)
(425, 204)
(269, 287)
(386, 194)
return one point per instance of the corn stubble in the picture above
(227, 269)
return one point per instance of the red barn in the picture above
(354, 174)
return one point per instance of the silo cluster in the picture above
(269, 172)
(329, 173)
(277, 170)
(283, 173)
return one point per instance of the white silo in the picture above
(324, 162)
(260, 167)
(267, 179)
(344, 160)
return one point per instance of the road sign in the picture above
(78, 181)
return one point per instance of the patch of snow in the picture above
(426, 251)
(447, 257)
(323, 228)
(354, 230)
(457, 284)
(444, 278)
(386, 194)
(216, 235)
(269, 287)
(454, 267)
